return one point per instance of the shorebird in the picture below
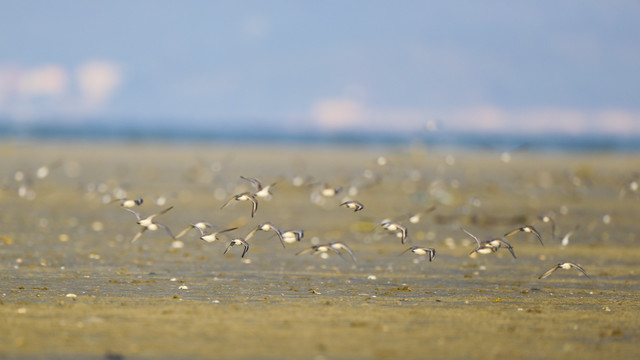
(419, 250)
(322, 248)
(497, 243)
(567, 236)
(128, 203)
(148, 224)
(563, 265)
(549, 219)
(528, 229)
(417, 216)
(261, 192)
(238, 241)
(211, 237)
(266, 227)
(299, 180)
(244, 197)
(291, 236)
(328, 191)
(353, 204)
(400, 230)
(200, 225)
(489, 246)
(342, 246)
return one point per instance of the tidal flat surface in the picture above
(73, 285)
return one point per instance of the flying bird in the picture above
(128, 203)
(245, 196)
(328, 191)
(563, 265)
(400, 230)
(419, 250)
(238, 241)
(527, 229)
(567, 236)
(212, 237)
(266, 227)
(148, 223)
(322, 248)
(342, 246)
(200, 225)
(291, 236)
(489, 246)
(549, 219)
(353, 204)
(415, 218)
(261, 192)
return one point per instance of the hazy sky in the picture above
(540, 66)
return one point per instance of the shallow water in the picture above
(73, 284)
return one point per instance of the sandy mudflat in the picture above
(72, 285)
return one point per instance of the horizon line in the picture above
(497, 141)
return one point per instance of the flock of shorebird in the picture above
(209, 233)
(493, 244)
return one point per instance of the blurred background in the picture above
(331, 67)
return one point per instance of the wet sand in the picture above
(74, 286)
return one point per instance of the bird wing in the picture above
(348, 250)
(403, 231)
(134, 213)
(279, 235)
(226, 230)
(254, 181)
(304, 251)
(513, 232)
(254, 202)
(533, 230)
(160, 213)
(251, 233)
(246, 248)
(473, 236)
(166, 228)
(227, 203)
(432, 254)
(181, 233)
(406, 251)
(508, 246)
(581, 269)
(549, 272)
(337, 252)
(228, 247)
(137, 236)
